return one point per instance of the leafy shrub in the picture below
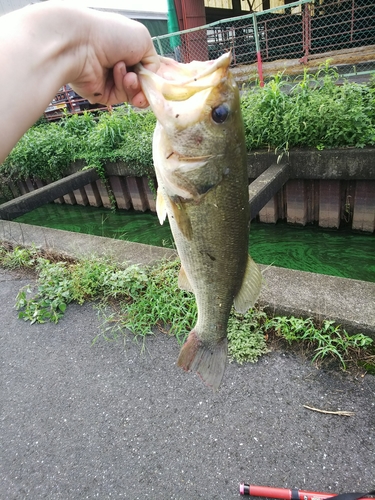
(47, 150)
(44, 151)
(312, 111)
(246, 336)
(122, 135)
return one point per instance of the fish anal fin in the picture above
(208, 361)
(161, 207)
(183, 281)
(182, 219)
(250, 288)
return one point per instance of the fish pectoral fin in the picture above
(161, 207)
(209, 362)
(182, 219)
(183, 281)
(196, 175)
(250, 288)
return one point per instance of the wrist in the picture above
(39, 54)
(55, 31)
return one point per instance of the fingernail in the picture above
(122, 68)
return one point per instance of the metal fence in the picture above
(303, 31)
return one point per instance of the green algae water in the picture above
(310, 248)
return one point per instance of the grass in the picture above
(326, 339)
(143, 300)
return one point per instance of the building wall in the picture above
(256, 5)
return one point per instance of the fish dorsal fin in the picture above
(182, 219)
(161, 207)
(250, 288)
(183, 281)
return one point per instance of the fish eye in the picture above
(220, 114)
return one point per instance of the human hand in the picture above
(49, 44)
(107, 51)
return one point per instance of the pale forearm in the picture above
(47, 45)
(35, 60)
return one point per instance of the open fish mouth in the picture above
(178, 81)
(178, 91)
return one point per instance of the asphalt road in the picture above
(120, 420)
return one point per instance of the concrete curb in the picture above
(285, 292)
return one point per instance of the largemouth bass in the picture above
(200, 163)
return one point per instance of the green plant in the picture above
(124, 283)
(149, 297)
(121, 135)
(47, 149)
(311, 111)
(86, 278)
(45, 152)
(60, 283)
(19, 257)
(327, 340)
(52, 295)
(161, 303)
(291, 328)
(246, 336)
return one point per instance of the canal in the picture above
(310, 248)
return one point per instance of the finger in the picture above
(150, 58)
(151, 61)
(139, 100)
(134, 91)
(119, 92)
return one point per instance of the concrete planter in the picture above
(331, 187)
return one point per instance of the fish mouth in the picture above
(178, 81)
(179, 90)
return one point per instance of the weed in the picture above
(246, 336)
(327, 340)
(47, 150)
(311, 111)
(19, 257)
(161, 303)
(52, 295)
(146, 298)
(86, 279)
(124, 283)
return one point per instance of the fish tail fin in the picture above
(207, 361)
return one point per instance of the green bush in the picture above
(311, 111)
(47, 150)
(122, 135)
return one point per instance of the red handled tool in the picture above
(295, 494)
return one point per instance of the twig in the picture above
(339, 412)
